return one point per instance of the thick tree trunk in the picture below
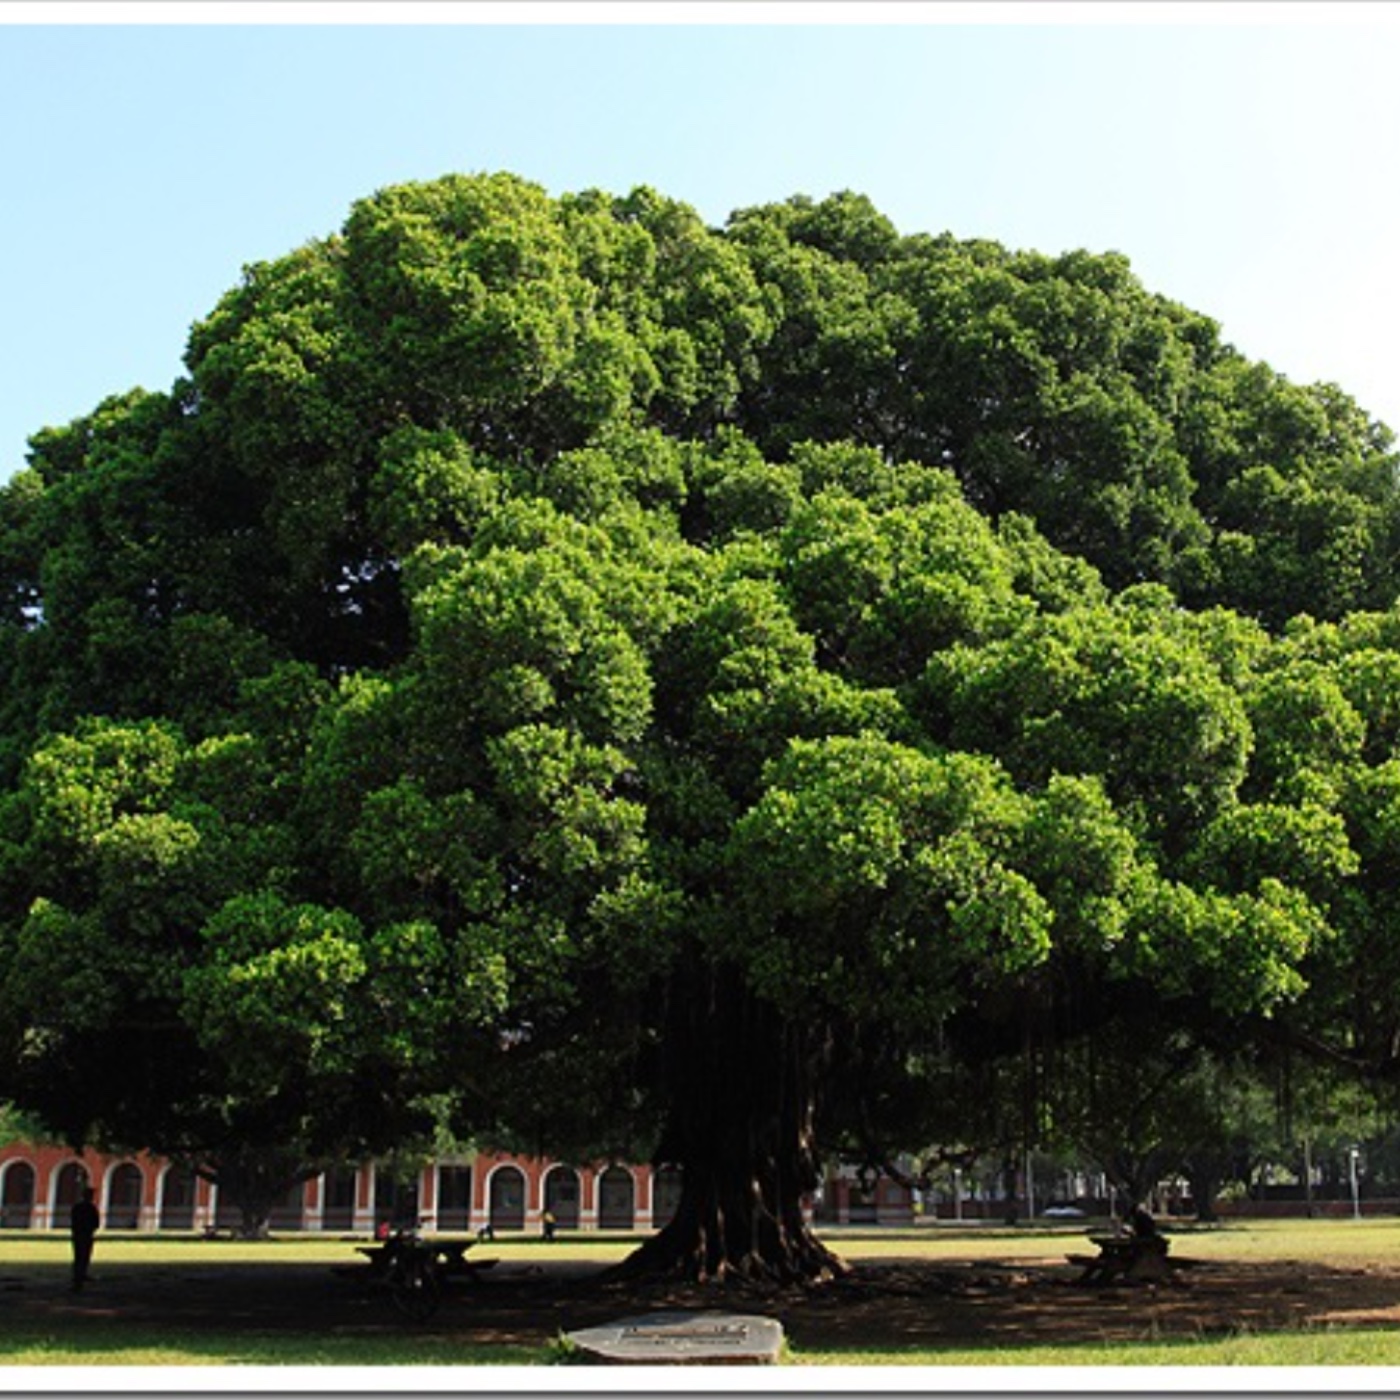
(254, 1180)
(255, 1221)
(1010, 1186)
(740, 1127)
(737, 1220)
(1203, 1177)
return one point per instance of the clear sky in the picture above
(1245, 158)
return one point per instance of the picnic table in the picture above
(414, 1270)
(1125, 1258)
(448, 1256)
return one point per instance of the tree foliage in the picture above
(654, 687)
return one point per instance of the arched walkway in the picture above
(287, 1212)
(69, 1182)
(507, 1199)
(454, 1197)
(617, 1196)
(562, 1195)
(338, 1210)
(17, 1196)
(177, 1199)
(665, 1195)
(124, 1189)
(395, 1201)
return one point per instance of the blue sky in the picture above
(1245, 158)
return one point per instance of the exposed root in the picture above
(686, 1252)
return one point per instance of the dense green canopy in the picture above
(553, 668)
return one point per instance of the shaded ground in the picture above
(882, 1305)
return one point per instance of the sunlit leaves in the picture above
(84, 782)
(561, 802)
(412, 850)
(465, 291)
(277, 989)
(514, 636)
(1243, 951)
(1304, 846)
(1101, 692)
(430, 487)
(1307, 733)
(1086, 862)
(880, 873)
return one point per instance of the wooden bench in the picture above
(1125, 1258)
(450, 1256)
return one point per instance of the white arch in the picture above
(6, 1171)
(673, 1179)
(490, 1186)
(616, 1169)
(109, 1179)
(508, 1164)
(162, 1180)
(563, 1172)
(52, 1207)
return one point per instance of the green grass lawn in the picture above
(29, 1248)
(1352, 1347)
(40, 1261)
(118, 1345)
(1336, 1241)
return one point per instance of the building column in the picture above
(428, 1197)
(101, 1184)
(45, 1191)
(162, 1186)
(148, 1213)
(363, 1220)
(313, 1203)
(533, 1170)
(588, 1198)
(206, 1203)
(478, 1202)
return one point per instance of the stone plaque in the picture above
(683, 1339)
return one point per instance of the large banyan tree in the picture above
(563, 670)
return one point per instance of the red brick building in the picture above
(38, 1185)
(847, 1200)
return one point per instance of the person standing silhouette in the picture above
(83, 1221)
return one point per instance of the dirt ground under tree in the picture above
(881, 1305)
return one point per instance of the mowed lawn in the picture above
(32, 1264)
(1324, 1241)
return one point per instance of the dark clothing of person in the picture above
(83, 1222)
(1144, 1226)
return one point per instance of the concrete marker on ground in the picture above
(682, 1339)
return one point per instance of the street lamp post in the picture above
(1355, 1191)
